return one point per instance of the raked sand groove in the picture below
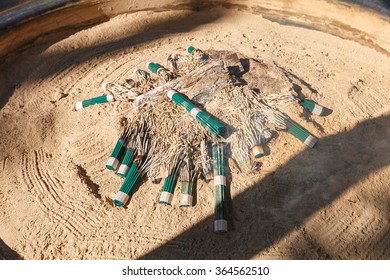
(65, 211)
(69, 215)
(53, 182)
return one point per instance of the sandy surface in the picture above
(327, 202)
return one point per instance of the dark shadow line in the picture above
(26, 10)
(148, 33)
(280, 202)
(6, 253)
(291, 77)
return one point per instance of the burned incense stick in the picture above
(283, 122)
(175, 84)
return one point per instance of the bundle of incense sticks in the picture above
(188, 179)
(313, 107)
(129, 155)
(119, 91)
(197, 52)
(254, 130)
(160, 70)
(283, 122)
(208, 121)
(250, 113)
(206, 162)
(220, 209)
(139, 166)
(126, 162)
(171, 181)
(176, 61)
(119, 151)
(105, 98)
(301, 134)
(132, 178)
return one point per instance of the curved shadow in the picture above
(149, 32)
(6, 253)
(280, 202)
(15, 11)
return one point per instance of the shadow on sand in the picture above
(280, 202)
(6, 253)
(148, 32)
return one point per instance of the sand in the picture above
(331, 202)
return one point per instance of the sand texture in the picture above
(330, 202)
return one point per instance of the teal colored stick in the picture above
(208, 121)
(168, 189)
(126, 163)
(154, 67)
(96, 100)
(220, 208)
(313, 107)
(186, 191)
(116, 155)
(192, 50)
(301, 134)
(128, 186)
(119, 151)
